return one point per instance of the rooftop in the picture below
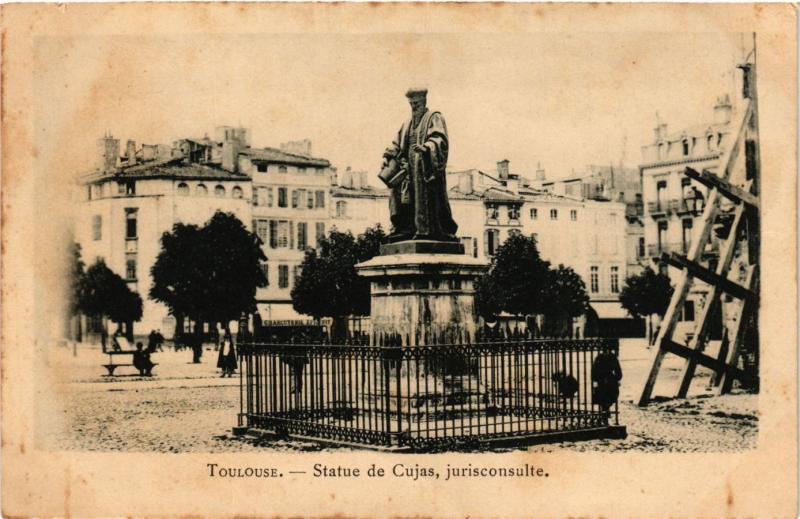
(275, 155)
(167, 168)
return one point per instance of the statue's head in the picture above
(417, 98)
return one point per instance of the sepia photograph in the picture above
(340, 254)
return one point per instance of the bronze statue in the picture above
(414, 169)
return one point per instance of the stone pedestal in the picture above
(423, 290)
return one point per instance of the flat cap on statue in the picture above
(416, 92)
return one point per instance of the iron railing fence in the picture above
(393, 394)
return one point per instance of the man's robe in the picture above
(419, 207)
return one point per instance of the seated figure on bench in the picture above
(141, 361)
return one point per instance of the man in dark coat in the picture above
(418, 205)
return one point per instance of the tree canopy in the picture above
(646, 294)
(516, 280)
(328, 285)
(105, 293)
(76, 275)
(209, 273)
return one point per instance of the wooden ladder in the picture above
(746, 222)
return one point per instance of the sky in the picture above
(559, 99)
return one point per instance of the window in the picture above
(661, 190)
(594, 280)
(320, 231)
(261, 167)
(513, 213)
(295, 196)
(281, 197)
(685, 146)
(302, 235)
(310, 200)
(201, 190)
(273, 234)
(491, 212)
(183, 189)
(573, 215)
(283, 276)
(686, 234)
(262, 230)
(283, 234)
(641, 248)
(662, 236)
(615, 280)
(474, 247)
(97, 227)
(265, 271)
(341, 209)
(130, 268)
(301, 170)
(554, 214)
(130, 187)
(466, 242)
(237, 192)
(686, 188)
(219, 191)
(534, 213)
(661, 151)
(688, 311)
(491, 239)
(282, 169)
(710, 142)
(319, 199)
(130, 224)
(297, 270)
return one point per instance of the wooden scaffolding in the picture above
(732, 213)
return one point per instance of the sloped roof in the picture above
(168, 168)
(281, 157)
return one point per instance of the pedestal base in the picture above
(424, 298)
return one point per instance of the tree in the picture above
(516, 280)
(209, 273)
(646, 294)
(566, 298)
(105, 293)
(328, 285)
(75, 290)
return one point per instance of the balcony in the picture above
(658, 209)
(655, 250)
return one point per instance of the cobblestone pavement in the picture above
(188, 408)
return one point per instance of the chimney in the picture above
(130, 152)
(346, 179)
(502, 169)
(356, 176)
(722, 110)
(108, 153)
(363, 179)
(540, 172)
(465, 183)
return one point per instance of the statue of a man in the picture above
(414, 169)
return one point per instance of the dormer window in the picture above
(261, 167)
(183, 189)
(662, 151)
(685, 146)
(710, 142)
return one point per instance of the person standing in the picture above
(226, 360)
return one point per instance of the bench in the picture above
(111, 366)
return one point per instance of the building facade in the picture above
(129, 202)
(673, 203)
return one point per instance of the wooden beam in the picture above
(712, 278)
(705, 360)
(724, 187)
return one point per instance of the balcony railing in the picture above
(656, 250)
